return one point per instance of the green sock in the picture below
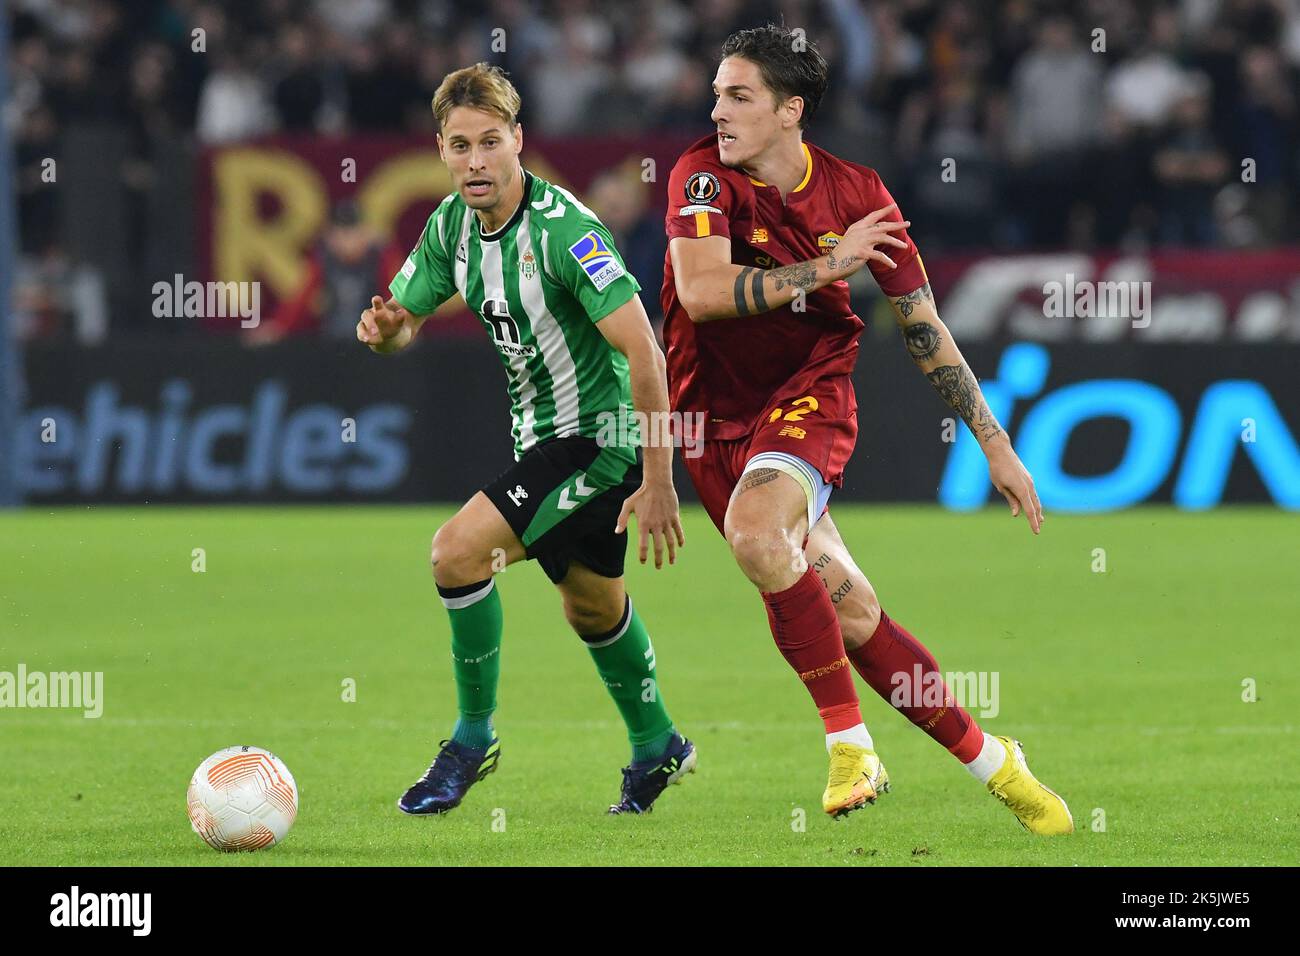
(473, 733)
(476, 622)
(626, 663)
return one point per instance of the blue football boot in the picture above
(644, 781)
(456, 769)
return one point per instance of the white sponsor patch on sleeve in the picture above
(408, 267)
(690, 210)
(596, 259)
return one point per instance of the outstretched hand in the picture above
(657, 516)
(1016, 485)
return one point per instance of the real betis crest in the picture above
(528, 265)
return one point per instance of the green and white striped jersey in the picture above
(539, 284)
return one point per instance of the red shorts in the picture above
(819, 425)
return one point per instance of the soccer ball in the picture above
(242, 798)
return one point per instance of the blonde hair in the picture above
(481, 87)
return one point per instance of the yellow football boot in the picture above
(1039, 809)
(856, 777)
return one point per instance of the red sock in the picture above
(892, 651)
(807, 633)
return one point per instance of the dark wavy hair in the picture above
(788, 68)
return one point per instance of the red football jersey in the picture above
(730, 369)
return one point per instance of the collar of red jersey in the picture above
(806, 176)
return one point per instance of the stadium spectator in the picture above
(1189, 167)
(1266, 134)
(299, 93)
(233, 104)
(1054, 124)
(348, 263)
(1143, 89)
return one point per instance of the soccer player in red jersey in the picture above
(763, 230)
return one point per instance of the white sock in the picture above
(856, 734)
(992, 755)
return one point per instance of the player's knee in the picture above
(589, 615)
(768, 555)
(455, 559)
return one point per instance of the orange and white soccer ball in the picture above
(242, 798)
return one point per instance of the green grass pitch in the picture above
(1126, 688)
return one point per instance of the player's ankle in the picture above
(857, 735)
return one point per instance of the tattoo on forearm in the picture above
(843, 263)
(801, 275)
(742, 307)
(752, 479)
(923, 341)
(756, 287)
(960, 390)
(909, 302)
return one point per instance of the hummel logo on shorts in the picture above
(516, 495)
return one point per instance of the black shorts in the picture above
(562, 500)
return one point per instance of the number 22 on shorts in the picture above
(800, 408)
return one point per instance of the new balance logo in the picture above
(517, 495)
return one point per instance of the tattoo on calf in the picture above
(822, 565)
(923, 341)
(840, 592)
(906, 304)
(960, 390)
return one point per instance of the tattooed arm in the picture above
(710, 286)
(935, 353)
(933, 350)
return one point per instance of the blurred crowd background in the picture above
(1099, 124)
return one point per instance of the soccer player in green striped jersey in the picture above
(582, 370)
